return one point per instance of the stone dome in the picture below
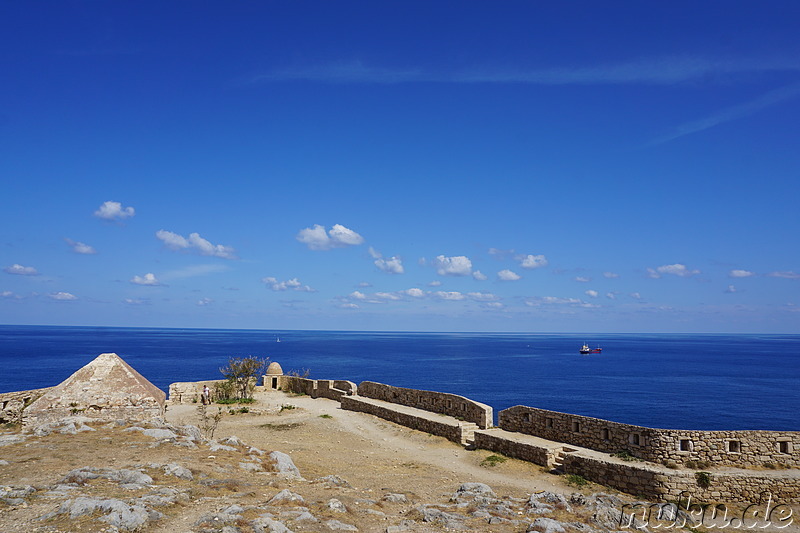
(274, 369)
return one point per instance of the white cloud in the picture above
(676, 270)
(610, 275)
(137, 301)
(611, 295)
(508, 275)
(494, 305)
(80, 247)
(636, 296)
(318, 238)
(288, 285)
(740, 273)
(62, 296)
(445, 295)
(532, 261)
(552, 300)
(365, 284)
(583, 279)
(114, 210)
(148, 279)
(731, 289)
(349, 305)
(501, 254)
(591, 293)
(458, 265)
(393, 265)
(204, 301)
(10, 295)
(20, 270)
(173, 241)
(358, 295)
(435, 283)
(786, 274)
(414, 292)
(483, 296)
(386, 296)
(479, 276)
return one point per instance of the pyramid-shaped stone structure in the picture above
(108, 388)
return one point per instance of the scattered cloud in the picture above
(195, 242)
(494, 305)
(583, 279)
(479, 276)
(20, 270)
(636, 296)
(136, 301)
(365, 284)
(9, 295)
(414, 293)
(80, 247)
(502, 254)
(204, 301)
(448, 295)
(532, 261)
(740, 273)
(557, 301)
(508, 275)
(435, 283)
(786, 274)
(731, 289)
(288, 285)
(114, 211)
(458, 265)
(610, 275)
(348, 305)
(62, 296)
(676, 270)
(148, 279)
(387, 296)
(318, 238)
(611, 295)
(483, 296)
(392, 265)
(591, 293)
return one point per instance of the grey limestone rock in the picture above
(332, 481)
(217, 447)
(336, 506)
(395, 498)
(5, 440)
(286, 496)
(250, 467)
(119, 514)
(284, 464)
(442, 518)
(340, 526)
(546, 525)
(233, 440)
(180, 472)
(191, 432)
(160, 434)
(267, 524)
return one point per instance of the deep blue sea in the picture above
(667, 381)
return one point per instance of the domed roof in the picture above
(274, 369)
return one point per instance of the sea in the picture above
(705, 382)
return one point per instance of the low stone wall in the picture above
(658, 484)
(721, 448)
(493, 440)
(450, 430)
(316, 388)
(190, 391)
(436, 402)
(12, 403)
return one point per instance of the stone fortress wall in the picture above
(12, 403)
(721, 448)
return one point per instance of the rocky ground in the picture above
(288, 464)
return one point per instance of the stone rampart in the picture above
(190, 391)
(333, 389)
(659, 484)
(665, 446)
(511, 445)
(436, 402)
(447, 428)
(12, 403)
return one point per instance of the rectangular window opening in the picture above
(734, 446)
(784, 446)
(686, 445)
(635, 439)
(548, 422)
(604, 434)
(576, 426)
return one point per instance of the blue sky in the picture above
(431, 166)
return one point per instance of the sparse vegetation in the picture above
(625, 455)
(281, 427)
(208, 423)
(575, 480)
(493, 460)
(325, 416)
(287, 407)
(242, 374)
(699, 465)
(703, 479)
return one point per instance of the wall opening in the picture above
(604, 434)
(449, 404)
(784, 446)
(576, 426)
(734, 446)
(274, 383)
(548, 422)
(635, 439)
(685, 445)
(526, 417)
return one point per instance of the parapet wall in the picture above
(334, 389)
(189, 391)
(721, 448)
(436, 402)
(12, 403)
